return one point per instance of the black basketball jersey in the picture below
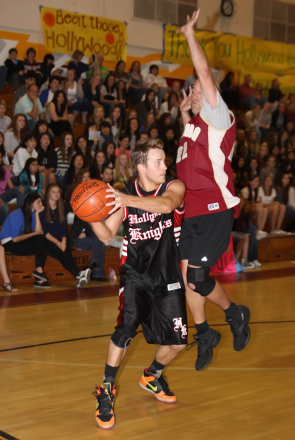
(150, 246)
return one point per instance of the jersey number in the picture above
(181, 153)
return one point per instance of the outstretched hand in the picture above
(185, 105)
(190, 23)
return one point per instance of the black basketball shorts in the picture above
(162, 315)
(205, 238)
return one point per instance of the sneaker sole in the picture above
(216, 341)
(105, 427)
(42, 287)
(157, 397)
(248, 331)
(85, 280)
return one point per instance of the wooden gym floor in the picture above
(53, 348)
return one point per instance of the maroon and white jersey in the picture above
(204, 165)
(150, 254)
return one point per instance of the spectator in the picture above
(115, 120)
(149, 121)
(119, 72)
(40, 128)
(30, 78)
(240, 139)
(252, 119)
(106, 134)
(108, 94)
(154, 78)
(23, 153)
(288, 198)
(254, 208)
(99, 68)
(54, 226)
(75, 97)
(15, 70)
(3, 152)
(190, 81)
(107, 175)
(47, 95)
(92, 92)
(30, 106)
(147, 106)
(164, 122)
(30, 178)
(274, 93)
(3, 73)
(77, 65)
(262, 155)
(228, 90)
(22, 235)
(59, 114)
(178, 126)
(123, 145)
(171, 169)
(170, 143)
(90, 127)
(153, 133)
(258, 97)
(279, 118)
(109, 150)
(132, 131)
(15, 134)
(176, 89)
(171, 106)
(122, 96)
(284, 142)
(289, 165)
(98, 115)
(270, 170)
(122, 172)
(240, 170)
(5, 121)
(253, 169)
(56, 71)
(265, 119)
(31, 64)
(155, 89)
(252, 142)
(276, 211)
(240, 120)
(45, 152)
(62, 158)
(136, 88)
(245, 92)
(290, 112)
(83, 148)
(98, 165)
(7, 284)
(82, 176)
(6, 195)
(77, 163)
(46, 67)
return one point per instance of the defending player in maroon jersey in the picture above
(151, 291)
(204, 164)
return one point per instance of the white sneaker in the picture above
(83, 278)
(278, 232)
(261, 234)
(246, 264)
(256, 263)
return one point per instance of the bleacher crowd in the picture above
(68, 125)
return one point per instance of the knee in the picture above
(199, 281)
(178, 348)
(121, 338)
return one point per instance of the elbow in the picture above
(168, 208)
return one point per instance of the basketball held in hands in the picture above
(89, 201)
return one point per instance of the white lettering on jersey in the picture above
(147, 217)
(174, 286)
(156, 233)
(191, 132)
(178, 325)
(213, 206)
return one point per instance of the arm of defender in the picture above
(164, 204)
(199, 60)
(105, 231)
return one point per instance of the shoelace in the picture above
(198, 341)
(105, 400)
(234, 326)
(163, 382)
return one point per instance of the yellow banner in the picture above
(231, 52)
(65, 32)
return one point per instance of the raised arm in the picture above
(199, 60)
(105, 231)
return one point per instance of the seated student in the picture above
(108, 94)
(170, 106)
(132, 131)
(262, 155)
(83, 147)
(122, 97)
(46, 96)
(47, 66)
(77, 65)
(109, 150)
(30, 178)
(149, 121)
(22, 235)
(75, 97)
(62, 158)
(97, 58)
(7, 284)
(30, 106)
(5, 121)
(122, 172)
(56, 71)
(123, 145)
(170, 143)
(276, 211)
(98, 165)
(154, 78)
(254, 208)
(148, 105)
(30, 78)
(77, 163)
(164, 122)
(153, 133)
(15, 69)
(107, 175)
(24, 152)
(136, 89)
(240, 170)
(286, 193)
(106, 134)
(53, 220)
(97, 116)
(4, 153)
(31, 64)
(58, 112)
(6, 195)
(82, 176)
(115, 119)
(40, 128)
(92, 92)
(15, 134)
(45, 151)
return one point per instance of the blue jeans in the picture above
(13, 193)
(31, 124)
(92, 243)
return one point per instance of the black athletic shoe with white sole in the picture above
(239, 325)
(40, 275)
(206, 342)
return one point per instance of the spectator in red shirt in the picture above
(245, 91)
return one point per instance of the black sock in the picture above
(231, 311)
(156, 368)
(110, 373)
(202, 328)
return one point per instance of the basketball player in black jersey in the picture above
(151, 286)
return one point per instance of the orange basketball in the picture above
(89, 202)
